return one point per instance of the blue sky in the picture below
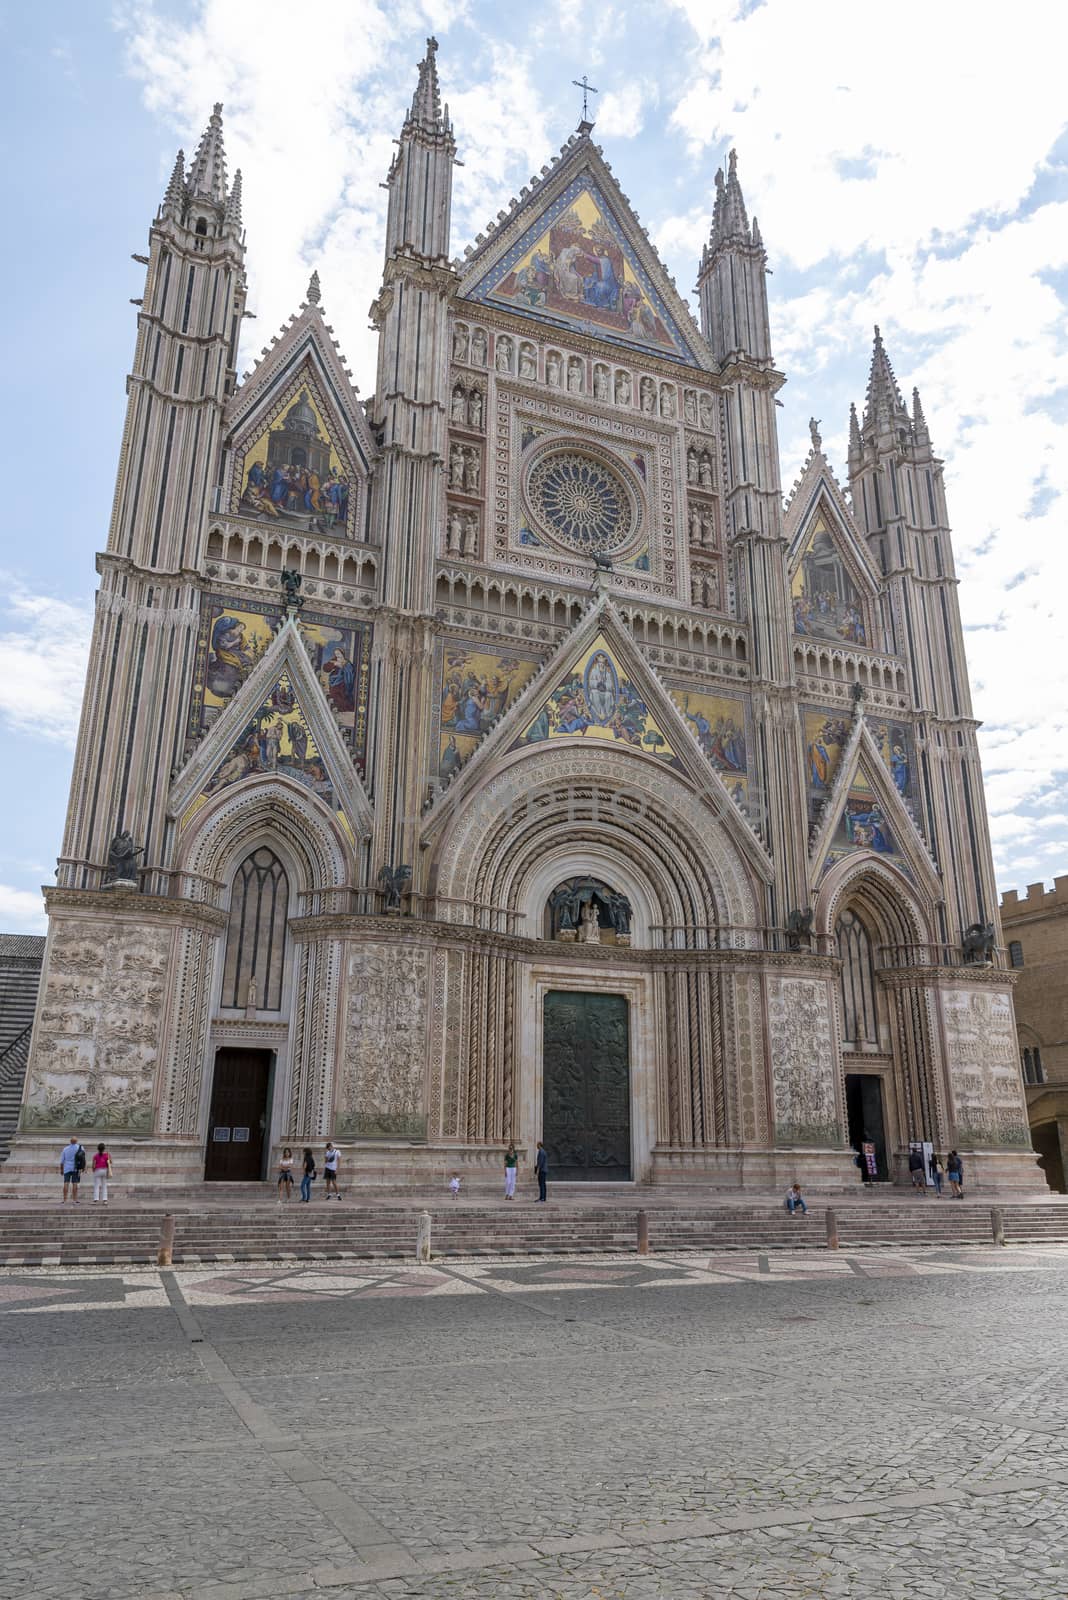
(914, 175)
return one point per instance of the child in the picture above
(454, 1185)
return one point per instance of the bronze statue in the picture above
(291, 582)
(799, 927)
(122, 859)
(393, 880)
(978, 943)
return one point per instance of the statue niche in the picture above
(587, 911)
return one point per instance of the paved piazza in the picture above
(888, 1424)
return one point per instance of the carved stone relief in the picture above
(983, 1070)
(382, 1081)
(802, 1061)
(97, 1044)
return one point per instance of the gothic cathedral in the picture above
(500, 757)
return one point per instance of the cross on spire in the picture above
(587, 89)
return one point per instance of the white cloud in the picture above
(21, 910)
(44, 645)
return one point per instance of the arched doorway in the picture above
(253, 974)
(887, 1056)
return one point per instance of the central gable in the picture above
(576, 267)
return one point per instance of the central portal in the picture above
(586, 1124)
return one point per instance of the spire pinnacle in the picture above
(174, 194)
(730, 223)
(918, 418)
(854, 427)
(426, 113)
(883, 392)
(207, 176)
(232, 218)
(314, 294)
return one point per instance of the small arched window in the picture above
(1016, 955)
(256, 933)
(202, 227)
(1031, 1060)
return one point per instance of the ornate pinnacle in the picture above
(174, 196)
(232, 218)
(314, 294)
(207, 176)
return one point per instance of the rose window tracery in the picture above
(581, 502)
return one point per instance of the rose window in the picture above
(581, 502)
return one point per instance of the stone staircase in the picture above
(349, 1230)
(21, 955)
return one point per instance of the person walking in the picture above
(916, 1172)
(934, 1166)
(101, 1173)
(72, 1165)
(285, 1175)
(331, 1162)
(541, 1172)
(955, 1174)
(307, 1175)
(795, 1201)
(511, 1164)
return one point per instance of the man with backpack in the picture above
(72, 1165)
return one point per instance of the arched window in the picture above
(1031, 1059)
(858, 980)
(1016, 958)
(256, 933)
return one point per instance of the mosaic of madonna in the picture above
(595, 699)
(235, 634)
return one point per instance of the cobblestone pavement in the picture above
(891, 1423)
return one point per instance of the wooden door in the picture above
(237, 1126)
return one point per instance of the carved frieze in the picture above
(984, 1074)
(382, 1087)
(802, 1061)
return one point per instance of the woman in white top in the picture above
(285, 1174)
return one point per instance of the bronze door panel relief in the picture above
(587, 1086)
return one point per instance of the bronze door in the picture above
(237, 1126)
(587, 1086)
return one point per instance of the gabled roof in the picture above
(285, 659)
(678, 745)
(860, 760)
(628, 296)
(305, 338)
(817, 488)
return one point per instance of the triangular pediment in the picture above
(278, 725)
(301, 450)
(574, 255)
(833, 584)
(864, 813)
(597, 690)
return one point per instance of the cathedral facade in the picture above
(500, 757)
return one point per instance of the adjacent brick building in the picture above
(1036, 934)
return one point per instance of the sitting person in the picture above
(795, 1201)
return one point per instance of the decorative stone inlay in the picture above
(984, 1073)
(799, 1031)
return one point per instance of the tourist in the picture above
(72, 1165)
(454, 1186)
(955, 1174)
(331, 1161)
(935, 1168)
(511, 1164)
(285, 1174)
(916, 1167)
(541, 1172)
(101, 1173)
(307, 1176)
(795, 1201)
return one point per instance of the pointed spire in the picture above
(883, 392)
(314, 294)
(232, 219)
(856, 448)
(174, 195)
(730, 224)
(919, 421)
(426, 113)
(207, 176)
